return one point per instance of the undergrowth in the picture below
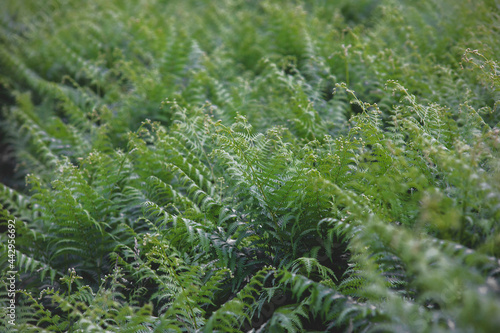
(245, 166)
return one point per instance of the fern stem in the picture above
(176, 277)
(259, 186)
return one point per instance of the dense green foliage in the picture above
(265, 166)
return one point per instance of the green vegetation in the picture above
(232, 165)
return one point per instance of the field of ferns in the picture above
(250, 166)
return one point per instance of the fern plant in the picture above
(241, 166)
